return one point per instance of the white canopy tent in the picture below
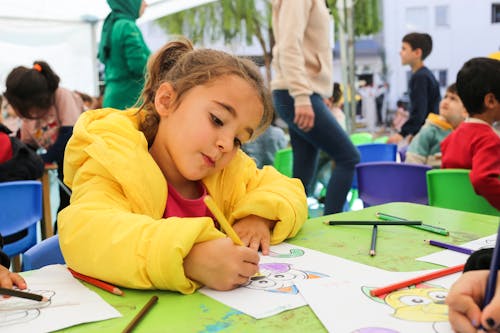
(65, 34)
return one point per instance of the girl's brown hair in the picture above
(184, 68)
(30, 91)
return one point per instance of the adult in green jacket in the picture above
(124, 53)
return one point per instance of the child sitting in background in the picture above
(425, 146)
(264, 147)
(474, 144)
(334, 104)
(7, 278)
(139, 178)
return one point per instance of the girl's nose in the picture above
(225, 143)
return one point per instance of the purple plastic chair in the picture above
(384, 182)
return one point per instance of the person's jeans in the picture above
(326, 135)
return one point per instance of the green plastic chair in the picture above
(361, 138)
(451, 188)
(283, 161)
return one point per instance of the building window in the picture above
(417, 19)
(495, 13)
(441, 16)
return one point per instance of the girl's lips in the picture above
(209, 161)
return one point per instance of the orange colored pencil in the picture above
(417, 280)
(98, 283)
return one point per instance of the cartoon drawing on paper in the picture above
(422, 303)
(15, 310)
(292, 253)
(280, 278)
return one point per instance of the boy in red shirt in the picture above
(474, 144)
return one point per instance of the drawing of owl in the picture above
(280, 278)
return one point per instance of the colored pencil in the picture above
(451, 247)
(98, 283)
(138, 317)
(426, 227)
(374, 240)
(22, 294)
(417, 280)
(492, 277)
(212, 206)
(378, 222)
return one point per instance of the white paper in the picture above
(277, 292)
(70, 303)
(346, 306)
(451, 258)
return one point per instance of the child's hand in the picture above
(465, 299)
(9, 279)
(255, 232)
(221, 265)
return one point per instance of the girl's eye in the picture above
(216, 120)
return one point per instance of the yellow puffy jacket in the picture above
(113, 229)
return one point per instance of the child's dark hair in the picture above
(337, 93)
(30, 91)
(185, 68)
(421, 41)
(477, 78)
(452, 88)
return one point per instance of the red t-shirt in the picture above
(179, 206)
(5, 148)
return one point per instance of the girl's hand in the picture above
(465, 299)
(221, 265)
(9, 279)
(255, 232)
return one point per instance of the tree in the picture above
(230, 20)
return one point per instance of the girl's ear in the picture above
(164, 99)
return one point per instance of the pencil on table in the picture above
(417, 280)
(378, 222)
(451, 247)
(22, 294)
(374, 240)
(426, 227)
(138, 317)
(98, 283)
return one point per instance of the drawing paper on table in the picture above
(70, 303)
(347, 307)
(276, 292)
(451, 258)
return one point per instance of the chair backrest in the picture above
(361, 138)
(283, 161)
(20, 210)
(451, 188)
(47, 252)
(381, 139)
(384, 182)
(375, 152)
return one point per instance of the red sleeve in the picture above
(5, 148)
(485, 171)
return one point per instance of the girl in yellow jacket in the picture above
(137, 217)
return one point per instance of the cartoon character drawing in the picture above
(15, 310)
(422, 303)
(293, 253)
(280, 278)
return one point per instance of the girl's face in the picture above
(201, 135)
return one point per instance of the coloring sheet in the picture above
(451, 258)
(348, 307)
(70, 303)
(275, 290)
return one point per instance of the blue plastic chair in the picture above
(20, 210)
(47, 252)
(372, 152)
(385, 182)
